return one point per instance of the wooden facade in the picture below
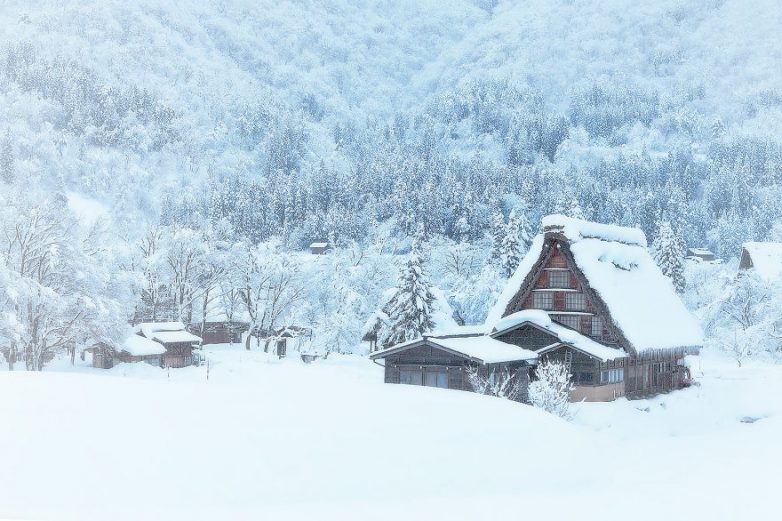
(223, 332)
(427, 364)
(556, 285)
(571, 324)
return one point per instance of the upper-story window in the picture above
(575, 302)
(559, 279)
(542, 300)
(597, 327)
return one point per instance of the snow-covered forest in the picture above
(174, 161)
(186, 145)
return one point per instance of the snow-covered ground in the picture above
(270, 439)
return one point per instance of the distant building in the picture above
(162, 344)
(701, 254)
(588, 295)
(279, 340)
(319, 248)
(764, 259)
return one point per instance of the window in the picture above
(575, 301)
(571, 321)
(436, 379)
(611, 376)
(410, 376)
(558, 279)
(585, 378)
(542, 300)
(597, 327)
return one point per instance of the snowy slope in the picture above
(331, 441)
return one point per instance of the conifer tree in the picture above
(7, 160)
(497, 232)
(511, 249)
(411, 308)
(669, 254)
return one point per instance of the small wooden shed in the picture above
(320, 248)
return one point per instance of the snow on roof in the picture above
(577, 229)
(566, 335)
(641, 300)
(319, 245)
(700, 251)
(167, 332)
(484, 348)
(137, 345)
(766, 259)
(175, 337)
(514, 283)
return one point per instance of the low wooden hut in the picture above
(446, 361)
(176, 340)
(701, 254)
(320, 248)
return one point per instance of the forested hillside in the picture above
(274, 124)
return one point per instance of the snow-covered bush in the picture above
(550, 390)
(496, 382)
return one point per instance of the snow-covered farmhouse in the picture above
(587, 294)
(762, 258)
(162, 344)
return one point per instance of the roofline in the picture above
(416, 343)
(433, 340)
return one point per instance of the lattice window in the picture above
(575, 301)
(542, 300)
(597, 327)
(559, 279)
(572, 321)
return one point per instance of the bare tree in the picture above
(271, 287)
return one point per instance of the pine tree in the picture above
(669, 254)
(410, 310)
(511, 248)
(497, 232)
(7, 160)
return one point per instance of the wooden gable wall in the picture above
(579, 307)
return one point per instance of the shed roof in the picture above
(479, 348)
(137, 345)
(167, 332)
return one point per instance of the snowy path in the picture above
(328, 440)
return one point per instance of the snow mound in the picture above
(577, 229)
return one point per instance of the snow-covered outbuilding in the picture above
(175, 339)
(701, 255)
(764, 259)
(589, 295)
(320, 248)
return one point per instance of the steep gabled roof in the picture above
(621, 276)
(765, 258)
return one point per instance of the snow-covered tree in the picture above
(410, 310)
(669, 251)
(511, 251)
(550, 390)
(271, 287)
(7, 170)
(494, 382)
